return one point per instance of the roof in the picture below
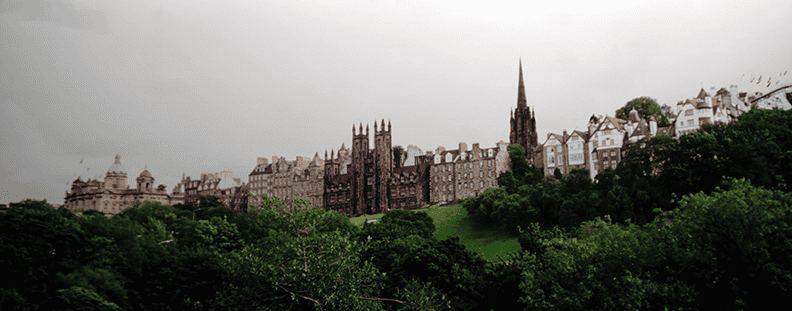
(117, 167)
(702, 94)
(642, 129)
(145, 173)
(405, 170)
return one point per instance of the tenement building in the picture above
(287, 180)
(523, 126)
(231, 191)
(113, 195)
(461, 173)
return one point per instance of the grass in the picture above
(452, 221)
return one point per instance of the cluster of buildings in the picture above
(364, 180)
(113, 195)
(601, 145)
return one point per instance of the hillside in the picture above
(451, 220)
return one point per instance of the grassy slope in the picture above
(452, 221)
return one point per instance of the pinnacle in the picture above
(521, 99)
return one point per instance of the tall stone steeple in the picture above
(522, 102)
(523, 122)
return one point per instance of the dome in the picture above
(117, 167)
(145, 173)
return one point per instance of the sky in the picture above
(194, 86)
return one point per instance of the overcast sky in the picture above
(205, 86)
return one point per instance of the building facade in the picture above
(113, 195)
(231, 191)
(287, 180)
(461, 173)
(565, 152)
(366, 181)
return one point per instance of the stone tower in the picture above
(145, 183)
(360, 153)
(116, 177)
(383, 163)
(523, 123)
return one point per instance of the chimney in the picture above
(462, 147)
(274, 159)
(652, 125)
(261, 161)
(476, 146)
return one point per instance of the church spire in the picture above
(521, 100)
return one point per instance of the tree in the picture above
(646, 107)
(733, 246)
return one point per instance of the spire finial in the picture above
(389, 126)
(521, 100)
(353, 129)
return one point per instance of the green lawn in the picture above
(452, 220)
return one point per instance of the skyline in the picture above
(205, 87)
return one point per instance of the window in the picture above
(613, 153)
(690, 122)
(459, 186)
(689, 112)
(481, 174)
(482, 184)
(443, 168)
(444, 178)
(435, 169)
(490, 173)
(435, 178)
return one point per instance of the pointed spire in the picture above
(353, 129)
(383, 124)
(367, 131)
(332, 154)
(360, 131)
(375, 126)
(342, 147)
(521, 100)
(389, 126)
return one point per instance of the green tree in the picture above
(733, 245)
(646, 107)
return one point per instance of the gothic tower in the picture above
(523, 123)
(383, 164)
(360, 152)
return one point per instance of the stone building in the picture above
(287, 180)
(231, 191)
(523, 125)
(367, 181)
(113, 195)
(462, 173)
